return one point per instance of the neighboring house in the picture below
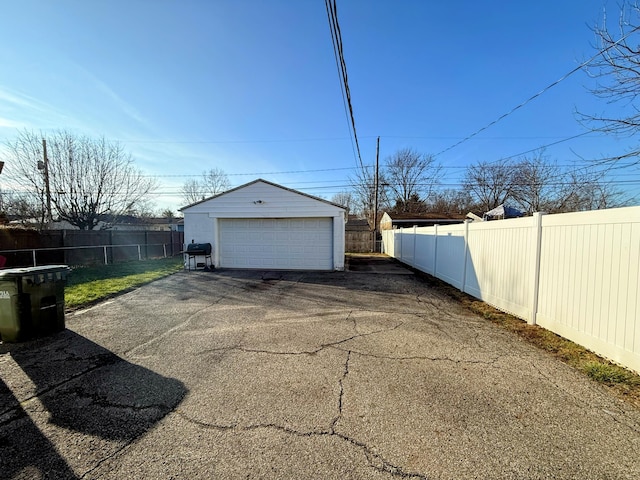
(390, 221)
(262, 225)
(129, 222)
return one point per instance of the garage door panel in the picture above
(300, 243)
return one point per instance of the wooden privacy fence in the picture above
(358, 241)
(576, 274)
(81, 247)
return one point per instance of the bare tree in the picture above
(145, 208)
(451, 201)
(541, 185)
(25, 208)
(414, 204)
(90, 179)
(537, 184)
(363, 184)
(345, 199)
(216, 181)
(490, 184)
(192, 191)
(411, 177)
(582, 190)
(212, 183)
(617, 74)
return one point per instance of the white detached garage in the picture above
(262, 225)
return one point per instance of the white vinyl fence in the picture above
(576, 274)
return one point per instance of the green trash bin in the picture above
(32, 302)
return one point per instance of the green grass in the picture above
(87, 285)
(610, 374)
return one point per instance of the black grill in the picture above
(198, 250)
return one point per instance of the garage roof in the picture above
(260, 180)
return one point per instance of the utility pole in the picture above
(375, 202)
(1, 196)
(45, 167)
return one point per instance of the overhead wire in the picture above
(544, 90)
(338, 52)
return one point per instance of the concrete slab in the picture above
(374, 263)
(237, 374)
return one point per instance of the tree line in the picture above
(411, 183)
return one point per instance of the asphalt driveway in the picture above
(238, 374)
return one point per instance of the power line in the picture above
(544, 90)
(540, 147)
(336, 39)
(483, 138)
(166, 192)
(206, 142)
(444, 167)
(184, 175)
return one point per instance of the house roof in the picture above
(425, 216)
(133, 220)
(268, 183)
(355, 224)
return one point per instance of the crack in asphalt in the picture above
(174, 328)
(321, 347)
(337, 343)
(108, 457)
(337, 418)
(579, 402)
(375, 460)
(100, 401)
(490, 363)
(55, 386)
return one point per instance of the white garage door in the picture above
(280, 243)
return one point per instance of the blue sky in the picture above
(251, 86)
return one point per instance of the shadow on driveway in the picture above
(71, 383)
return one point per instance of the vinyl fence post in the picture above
(415, 233)
(435, 250)
(535, 267)
(466, 255)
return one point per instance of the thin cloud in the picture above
(18, 99)
(7, 123)
(25, 111)
(123, 105)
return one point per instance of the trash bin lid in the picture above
(12, 273)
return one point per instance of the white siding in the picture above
(275, 203)
(199, 228)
